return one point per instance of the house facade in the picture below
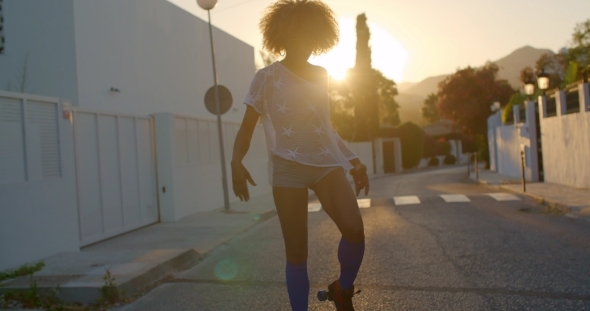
(83, 87)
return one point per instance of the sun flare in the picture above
(388, 55)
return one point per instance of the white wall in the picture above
(38, 209)
(506, 142)
(566, 145)
(189, 164)
(157, 55)
(43, 30)
(364, 151)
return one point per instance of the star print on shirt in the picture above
(318, 130)
(293, 153)
(278, 84)
(268, 72)
(282, 108)
(311, 106)
(288, 131)
(325, 151)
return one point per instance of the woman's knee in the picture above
(354, 232)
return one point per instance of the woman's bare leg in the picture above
(339, 202)
(291, 204)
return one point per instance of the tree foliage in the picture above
(569, 64)
(430, 111)
(412, 141)
(465, 97)
(366, 97)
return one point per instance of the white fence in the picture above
(116, 173)
(38, 214)
(563, 133)
(566, 137)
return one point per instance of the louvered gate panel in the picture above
(115, 172)
(12, 142)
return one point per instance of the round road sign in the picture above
(225, 99)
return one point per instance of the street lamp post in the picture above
(208, 5)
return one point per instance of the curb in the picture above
(135, 284)
(560, 207)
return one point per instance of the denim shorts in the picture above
(287, 173)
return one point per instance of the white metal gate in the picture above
(116, 173)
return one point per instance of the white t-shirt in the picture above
(296, 118)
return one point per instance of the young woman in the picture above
(291, 98)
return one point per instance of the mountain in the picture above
(403, 86)
(411, 97)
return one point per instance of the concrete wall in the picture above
(157, 55)
(566, 144)
(38, 213)
(40, 36)
(364, 151)
(189, 164)
(507, 140)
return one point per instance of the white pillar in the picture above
(531, 123)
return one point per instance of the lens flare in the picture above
(226, 270)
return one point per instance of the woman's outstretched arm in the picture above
(239, 172)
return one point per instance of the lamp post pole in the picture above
(218, 112)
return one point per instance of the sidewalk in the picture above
(139, 259)
(573, 202)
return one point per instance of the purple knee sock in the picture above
(350, 256)
(297, 286)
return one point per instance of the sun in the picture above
(388, 55)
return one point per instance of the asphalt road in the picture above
(478, 255)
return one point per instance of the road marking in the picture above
(364, 203)
(314, 207)
(503, 196)
(451, 198)
(406, 200)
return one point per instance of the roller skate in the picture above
(342, 298)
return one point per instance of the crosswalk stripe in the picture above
(503, 196)
(364, 203)
(452, 198)
(406, 200)
(314, 207)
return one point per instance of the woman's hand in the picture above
(361, 180)
(239, 176)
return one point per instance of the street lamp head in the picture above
(543, 80)
(529, 88)
(495, 106)
(207, 4)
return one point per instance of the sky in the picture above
(416, 39)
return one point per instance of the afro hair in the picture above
(292, 22)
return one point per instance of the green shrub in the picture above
(412, 141)
(450, 159)
(433, 161)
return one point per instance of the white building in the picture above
(156, 55)
(69, 182)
